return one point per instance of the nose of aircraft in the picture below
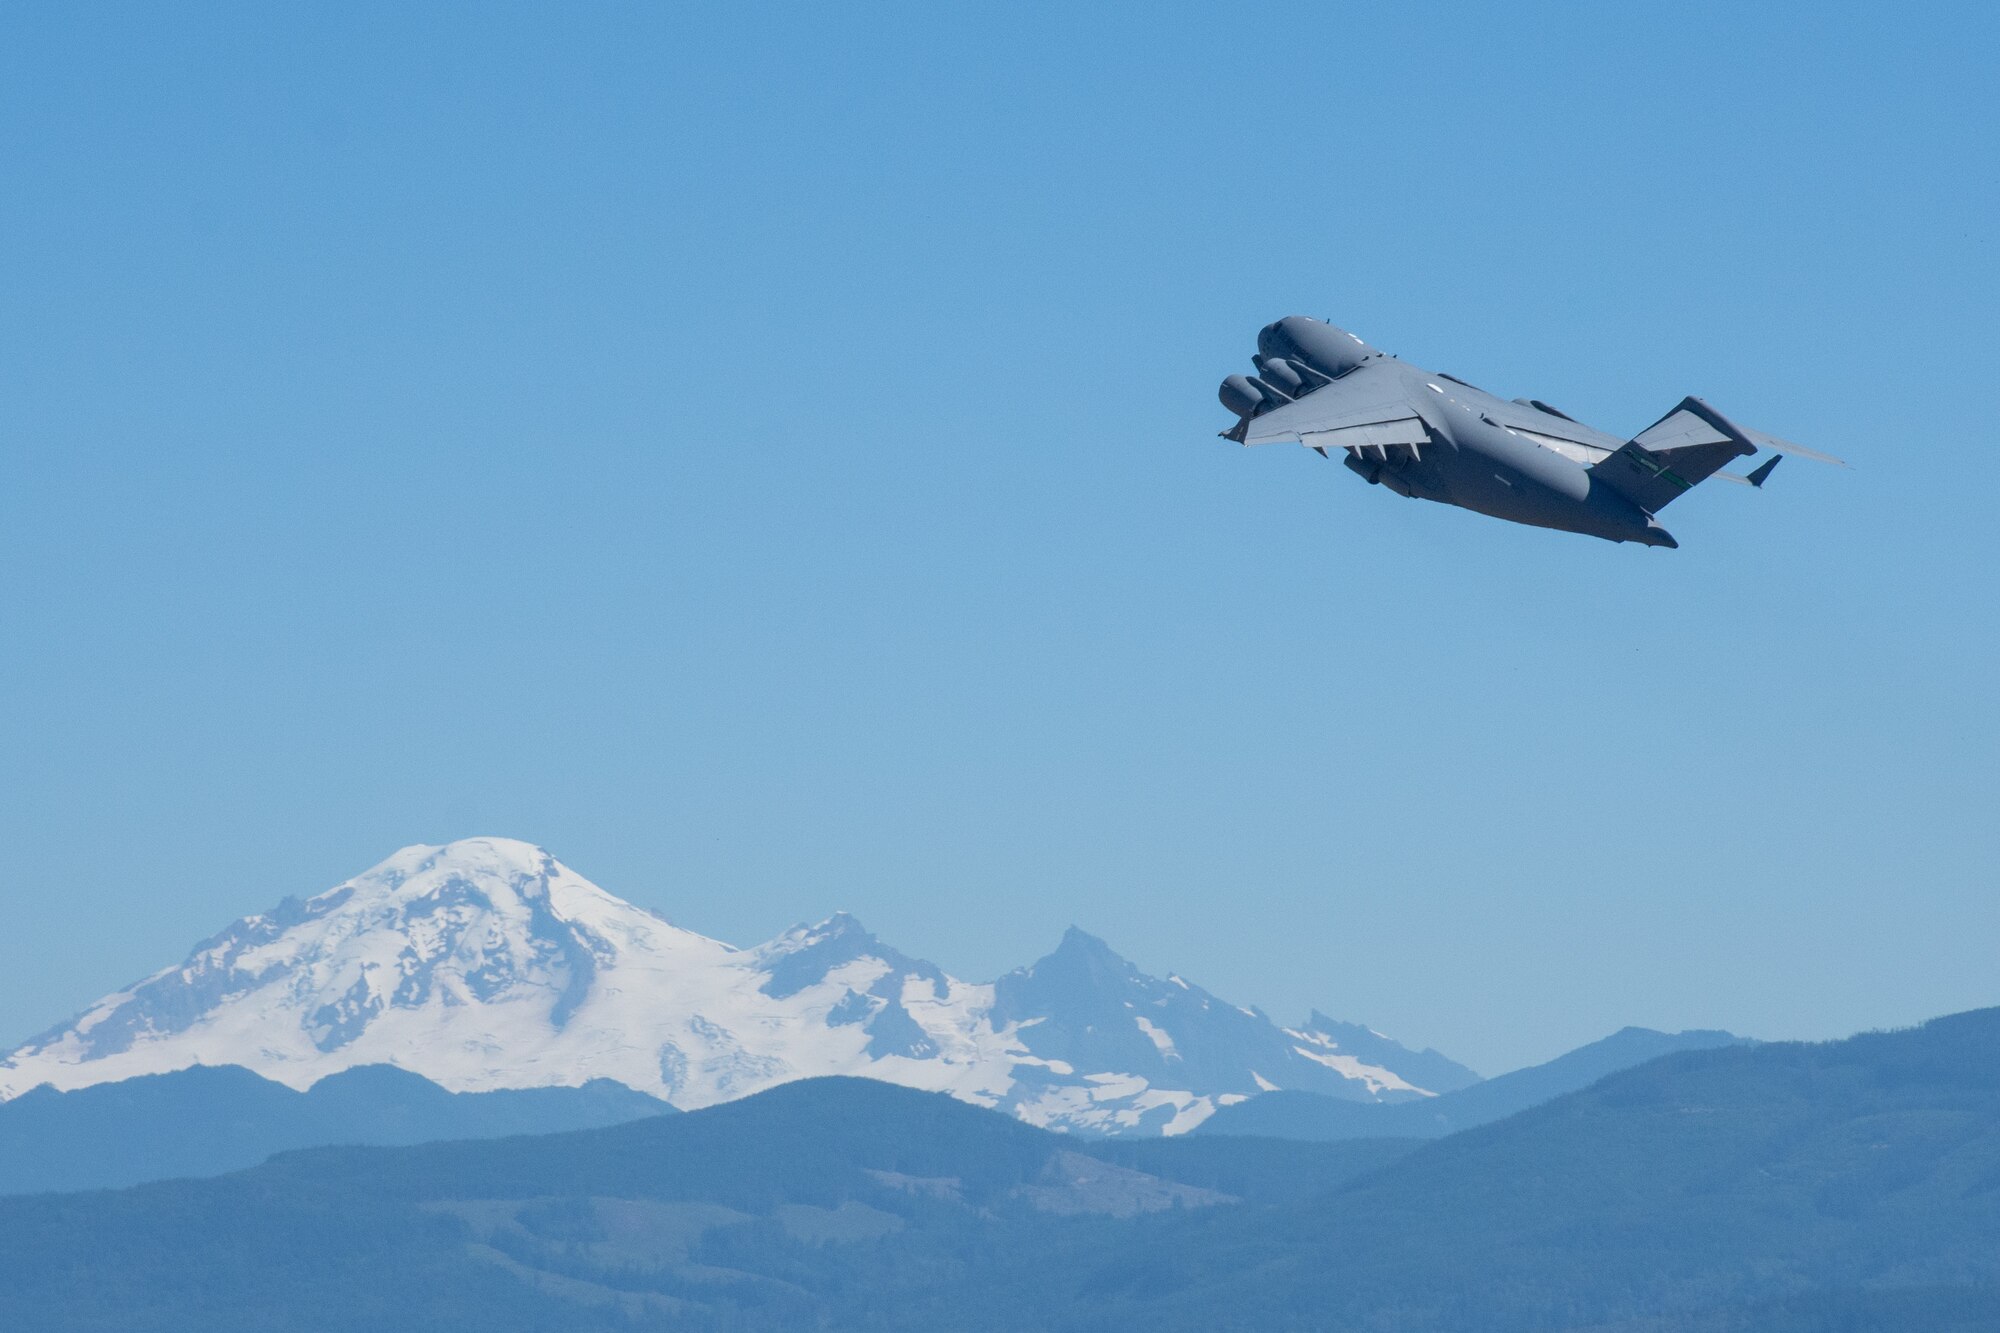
(1280, 337)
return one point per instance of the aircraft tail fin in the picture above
(1673, 455)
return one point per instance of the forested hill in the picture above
(204, 1121)
(1746, 1187)
(839, 1200)
(1852, 1185)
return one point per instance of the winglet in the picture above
(1763, 471)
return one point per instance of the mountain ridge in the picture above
(486, 963)
(1699, 1190)
(1297, 1114)
(209, 1119)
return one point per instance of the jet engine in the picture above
(1242, 397)
(1280, 375)
(1378, 472)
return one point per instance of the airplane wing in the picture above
(1368, 406)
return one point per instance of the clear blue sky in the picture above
(768, 457)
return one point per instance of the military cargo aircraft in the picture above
(1431, 436)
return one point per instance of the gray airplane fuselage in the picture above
(1470, 460)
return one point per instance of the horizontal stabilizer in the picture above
(1778, 446)
(1695, 420)
(1685, 428)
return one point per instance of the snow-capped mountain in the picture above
(486, 963)
(1085, 1008)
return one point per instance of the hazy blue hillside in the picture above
(1292, 1114)
(844, 1200)
(1739, 1187)
(1850, 1186)
(203, 1121)
(1259, 1170)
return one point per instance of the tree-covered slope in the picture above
(1692, 1191)
(830, 1200)
(1853, 1185)
(205, 1121)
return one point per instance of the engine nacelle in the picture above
(1378, 472)
(1242, 397)
(1280, 374)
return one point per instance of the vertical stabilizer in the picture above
(1673, 455)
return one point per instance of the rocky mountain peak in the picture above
(487, 963)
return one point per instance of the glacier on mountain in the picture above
(486, 963)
